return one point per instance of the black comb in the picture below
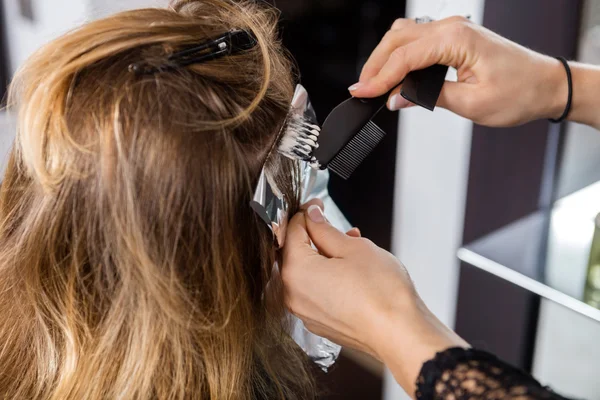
(423, 87)
(348, 135)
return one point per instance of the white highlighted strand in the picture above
(299, 139)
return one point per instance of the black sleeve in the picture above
(459, 373)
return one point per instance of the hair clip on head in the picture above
(231, 43)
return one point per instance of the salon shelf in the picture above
(545, 252)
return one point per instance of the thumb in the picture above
(297, 241)
(460, 98)
(330, 242)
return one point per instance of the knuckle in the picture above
(459, 29)
(368, 71)
(386, 83)
(389, 37)
(458, 18)
(399, 54)
(363, 244)
(399, 23)
(369, 244)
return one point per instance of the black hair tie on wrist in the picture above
(565, 114)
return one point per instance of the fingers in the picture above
(329, 241)
(397, 102)
(410, 47)
(324, 236)
(298, 243)
(299, 259)
(396, 37)
(415, 55)
(456, 97)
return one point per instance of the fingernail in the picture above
(354, 87)
(316, 214)
(397, 102)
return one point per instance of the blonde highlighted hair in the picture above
(131, 265)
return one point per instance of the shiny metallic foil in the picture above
(272, 208)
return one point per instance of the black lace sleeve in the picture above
(458, 373)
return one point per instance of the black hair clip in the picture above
(230, 43)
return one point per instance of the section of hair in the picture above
(131, 265)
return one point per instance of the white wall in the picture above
(7, 130)
(101, 8)
(52, 18)
(567, 355)
(431, 184)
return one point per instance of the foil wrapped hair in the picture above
(269, 202)
(272, 207)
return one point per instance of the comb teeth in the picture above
(299, 139)
(356, 150)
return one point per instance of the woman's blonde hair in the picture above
(131, 265)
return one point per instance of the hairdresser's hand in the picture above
(359, 295)
(500, 83)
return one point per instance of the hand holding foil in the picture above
(359, 295)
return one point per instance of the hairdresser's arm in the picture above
(359, 295)
(500, 83)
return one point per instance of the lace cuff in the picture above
(460, 373)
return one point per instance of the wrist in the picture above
(584, 106)
(409, 335)
(554, 90)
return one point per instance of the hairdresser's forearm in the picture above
(404, 349)
(586, 95)
(585, 107)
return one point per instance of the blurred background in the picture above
(496, 226)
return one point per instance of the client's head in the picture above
(131, 264)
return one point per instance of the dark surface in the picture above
(347, 381)
(330, 40)
(507, 164)
(508, 325)
(508, 179)
(505, 176)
